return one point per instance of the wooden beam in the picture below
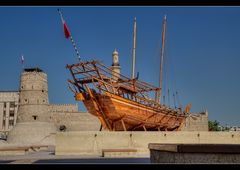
(123, 124)
(98, 109)
(144, 128)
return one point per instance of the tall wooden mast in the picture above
(134, 48)
(162, 56)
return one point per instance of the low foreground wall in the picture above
(195, 153)
(93, 143)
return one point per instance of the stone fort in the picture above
(31, 104)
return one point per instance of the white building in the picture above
(8, 109)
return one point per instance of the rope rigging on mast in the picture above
(167, 74)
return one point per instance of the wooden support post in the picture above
(123, 124)
(144, 128)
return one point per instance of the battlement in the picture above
(63, 107)
(9, 96)
(36, 69)
(197, 122)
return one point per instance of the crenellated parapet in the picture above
(196, 122)
(63, 107)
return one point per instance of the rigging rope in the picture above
(168, 77)
(172, 77)
(179, 104)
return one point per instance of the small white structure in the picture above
(116, 69)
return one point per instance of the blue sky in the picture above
(203, 43)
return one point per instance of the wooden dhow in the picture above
(122, 104)
(119, 102)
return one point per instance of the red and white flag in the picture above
(22, 59)
(65, 28)
(68, 34)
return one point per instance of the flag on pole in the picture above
(67, 34)
(65, 28)
(22, 59)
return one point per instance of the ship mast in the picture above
(162, 56)
(134, 48)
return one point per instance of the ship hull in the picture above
(122, 114)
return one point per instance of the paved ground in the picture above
(44, 157)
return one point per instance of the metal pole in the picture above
(75, 47)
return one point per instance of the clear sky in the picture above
(203, 43)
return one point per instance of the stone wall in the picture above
(92, 143)
(63, 107)
(76, 121)
(198, 122)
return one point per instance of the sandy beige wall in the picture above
(92, 143)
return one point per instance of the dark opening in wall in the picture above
(35, 117)
(62, 128)
(11, 113)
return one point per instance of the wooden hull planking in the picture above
(123, 114)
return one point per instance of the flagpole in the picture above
(22, 60)
(70, 35)
(75, 47)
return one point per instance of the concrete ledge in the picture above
(194, 153)
(21, 150)
(123, 152)
(13, 150)
(119, 150)
(196, 148)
